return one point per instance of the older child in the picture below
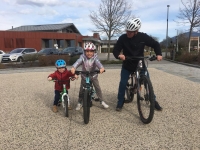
(89, 62)
(60, 74)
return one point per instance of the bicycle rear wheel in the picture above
(66, 106)
(86, 106)
(145, 99)
(129, 92)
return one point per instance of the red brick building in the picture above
(45, 36)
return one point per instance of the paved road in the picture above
(27, 122)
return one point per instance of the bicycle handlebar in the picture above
(87, 72)
(141, 57)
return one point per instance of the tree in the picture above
(190, 14)
(111, 18)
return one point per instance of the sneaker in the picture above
(69, 107)
(104, 104)
(157, 106)
(55, 109)
(119, 108)
(79, 106)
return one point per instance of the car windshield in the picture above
(44, 51)
(68, 49)
(18, 50)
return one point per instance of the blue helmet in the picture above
(60, 63)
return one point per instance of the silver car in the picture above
(20, 55)
(1, 54)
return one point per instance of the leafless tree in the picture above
(111, 18)
(190, 14)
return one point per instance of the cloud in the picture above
(39, 3)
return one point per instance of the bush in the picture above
(73, 59)
(51, 59)
(2, 66)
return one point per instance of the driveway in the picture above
(27, 121)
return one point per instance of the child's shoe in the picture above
(104, 104)
(69, 107)
(55, 109)
(79, 106)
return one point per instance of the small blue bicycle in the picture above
(88, 94)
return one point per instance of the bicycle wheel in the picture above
(129, 93)
(66, 106)
(145, 99)
(86, 106)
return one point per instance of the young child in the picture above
(89, 62)
(60, 74)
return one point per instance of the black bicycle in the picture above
(140, 84)
(88, 94)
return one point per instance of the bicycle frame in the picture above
(64, 93)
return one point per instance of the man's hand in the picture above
(73, 70)
(121, 57)
(101, 70)
(49, 78)
(159, 57)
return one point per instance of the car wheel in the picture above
(20, 59)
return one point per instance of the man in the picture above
(132, 44)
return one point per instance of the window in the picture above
(8, 43)
(20, 42)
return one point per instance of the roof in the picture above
(46, 27)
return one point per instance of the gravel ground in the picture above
(28, 123)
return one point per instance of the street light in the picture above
(167, 31)
(177, 41)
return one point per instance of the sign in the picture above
(194, 38)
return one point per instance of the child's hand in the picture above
(101, 70)
(76, 76)
(49, 78)
(73, 70)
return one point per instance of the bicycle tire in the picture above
(129, 93)
(66, 106)
(145, 101)
(86, 106)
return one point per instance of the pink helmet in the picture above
(89, 46)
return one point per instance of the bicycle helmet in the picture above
(89, 46)
(60, 63)
(133, 24)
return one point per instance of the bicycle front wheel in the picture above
(145, 99)
(66, 106)
(86, 106)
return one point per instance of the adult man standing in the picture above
(132, 44)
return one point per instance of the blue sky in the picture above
(153, 14)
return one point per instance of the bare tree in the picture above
(190, 14)
(111, 18)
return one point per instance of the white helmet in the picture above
(133, 24)
(89, 46)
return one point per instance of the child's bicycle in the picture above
(88, 94)
(64, 97)
(141, 85)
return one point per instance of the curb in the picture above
(186, 64)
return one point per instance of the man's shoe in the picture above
(104, 104)
(157, 106)
(118, 108)
(127, 101)
(79, 106)
(55, 109)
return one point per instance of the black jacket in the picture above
(134, 47)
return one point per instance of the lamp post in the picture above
(177, 41)
(167, 31)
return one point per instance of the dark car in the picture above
(72, 51)
(48, 51)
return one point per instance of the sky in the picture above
(153, 14)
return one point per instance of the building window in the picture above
(20, 42)
(8, 43)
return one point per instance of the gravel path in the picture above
(28, 123)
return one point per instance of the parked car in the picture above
(48, 51)
(72, 51)
(20, 55)
(1, 54)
